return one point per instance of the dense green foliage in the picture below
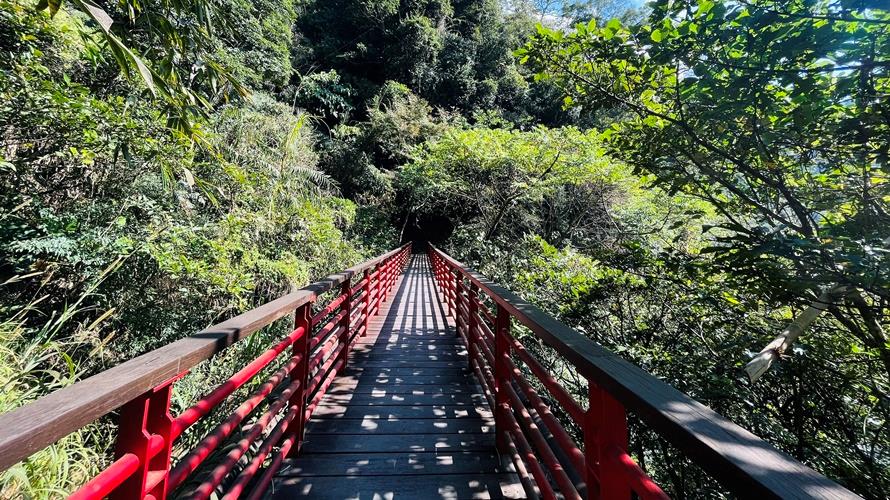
(774, 114)
(677, 182)
(192, 227)
(508, 183)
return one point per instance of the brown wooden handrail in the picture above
(41, 423)
(740, 460)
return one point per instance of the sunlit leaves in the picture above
(736, 105)
(176, 61)
(773, 113)
(493, 172)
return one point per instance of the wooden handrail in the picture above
(740, 460)
(41, 423)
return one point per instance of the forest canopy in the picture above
(701, 186)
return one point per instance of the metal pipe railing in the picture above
(142, 389)
(740, 460)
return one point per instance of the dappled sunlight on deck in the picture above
(406, 419)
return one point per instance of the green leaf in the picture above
(729, 298)
(704, 6)
(52, 5)
(126, 59)
(95, 12)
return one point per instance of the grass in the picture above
(34, 361)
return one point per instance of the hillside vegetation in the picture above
(677, 181)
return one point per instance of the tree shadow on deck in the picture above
(406, 419)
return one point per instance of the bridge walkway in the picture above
(407, 419)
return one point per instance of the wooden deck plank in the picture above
(440, 486)
(400, 464)
(407, 363)
(405, 399)
(400, 411)
(447, 380)
(353, 387)
(390, 443)
(401, 426)
(407, 355)
(406, 343)
(415, 371)
(406, 419)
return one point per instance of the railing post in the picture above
(379, 291)
(394, 268)
(437, 276)
(605, 430)
(444, 285)
(473, 323)
(452, 292)
(302, 319)
(457, 300)
(501, 377)
(437, 271)
(367, 306)
(385, 280)
(346, 321)
(145, 430)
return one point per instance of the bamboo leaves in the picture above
(172, 60)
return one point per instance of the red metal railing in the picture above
(519, 408)
(550, 462)
(271, 420)
(314, 352)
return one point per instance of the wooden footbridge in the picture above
(409, 376)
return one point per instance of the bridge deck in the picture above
(406, 419)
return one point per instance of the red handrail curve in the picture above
(142, 388)
(602, 468)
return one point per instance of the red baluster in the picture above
(367, 306)
(390, 273)
(146, 431)
(605, 428)
(377, 284)
(452, 292)
(346, 308)
(457, 301)
(393, 267)
(472, 322)
(502, 377)
(444, 285)
(385, 280)
(302, 319)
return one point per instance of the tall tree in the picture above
(777, 114)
